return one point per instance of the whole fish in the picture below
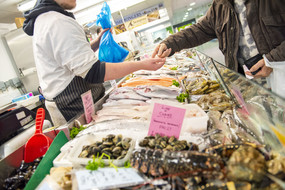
(156, 91)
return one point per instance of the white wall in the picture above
(7, 71)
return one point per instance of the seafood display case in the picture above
(260, 111)
(240, 146)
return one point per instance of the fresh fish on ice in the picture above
(157, 91)
(126, 93)
(122, 102)
(126, 127)
(103, 118)
(122, 90)
(135, 112)
(149, 80)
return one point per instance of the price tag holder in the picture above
(88, 105)
(107, 178)
(166, 120)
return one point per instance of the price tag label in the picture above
(236, 92)
(88, 105)
(107, 178)
(166, 120)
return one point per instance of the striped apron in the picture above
(69, 101)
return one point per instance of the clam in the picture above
(95, 150)
(117, 139)
(117, 150)
(151, 143)
(171, 139)
(125, 145)
(127, 139)
(83, 154)
(110, 137)
(143, 142)
(107, 149)
(108, 143)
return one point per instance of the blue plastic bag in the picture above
(109, 50)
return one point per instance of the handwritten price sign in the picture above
(166, 120)
(88, 105)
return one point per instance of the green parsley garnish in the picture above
(182, 97)
(74, 131)
(175, 83)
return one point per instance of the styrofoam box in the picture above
(194, 124)
(90, 139)
(62, 161)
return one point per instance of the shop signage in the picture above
(136, 22)
(166, 120)
(88, 105)
(129, 25)
(120, 28)
(139, 14)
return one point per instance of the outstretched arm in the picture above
(118, 70)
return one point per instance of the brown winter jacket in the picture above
(266, 20)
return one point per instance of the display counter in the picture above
(238, 138)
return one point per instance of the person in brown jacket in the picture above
(248, 31)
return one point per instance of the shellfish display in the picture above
(114, 146)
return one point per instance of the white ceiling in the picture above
(176, 8)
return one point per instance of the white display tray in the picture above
(90, 139)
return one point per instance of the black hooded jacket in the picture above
(42, 6)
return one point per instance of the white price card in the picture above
(106, 178)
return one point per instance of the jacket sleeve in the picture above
(277, 54)
(195, 35)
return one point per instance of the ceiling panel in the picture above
(175, 8)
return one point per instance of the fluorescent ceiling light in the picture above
(26, 5)
(192, 4)
(189, 9)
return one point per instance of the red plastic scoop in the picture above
(38, 144)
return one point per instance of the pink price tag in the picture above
(166, 120)
(88, 105)
(236, 92)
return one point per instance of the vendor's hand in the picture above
(161, 51)
(264, 72)
(153, 64)
(103, 31)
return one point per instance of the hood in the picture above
(42, 6)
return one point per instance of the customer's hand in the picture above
(153, 64)
(264, 72)
(161, 51)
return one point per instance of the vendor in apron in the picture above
(66, 64)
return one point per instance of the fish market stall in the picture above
(193, 124)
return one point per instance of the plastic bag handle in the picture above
(40, 120)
